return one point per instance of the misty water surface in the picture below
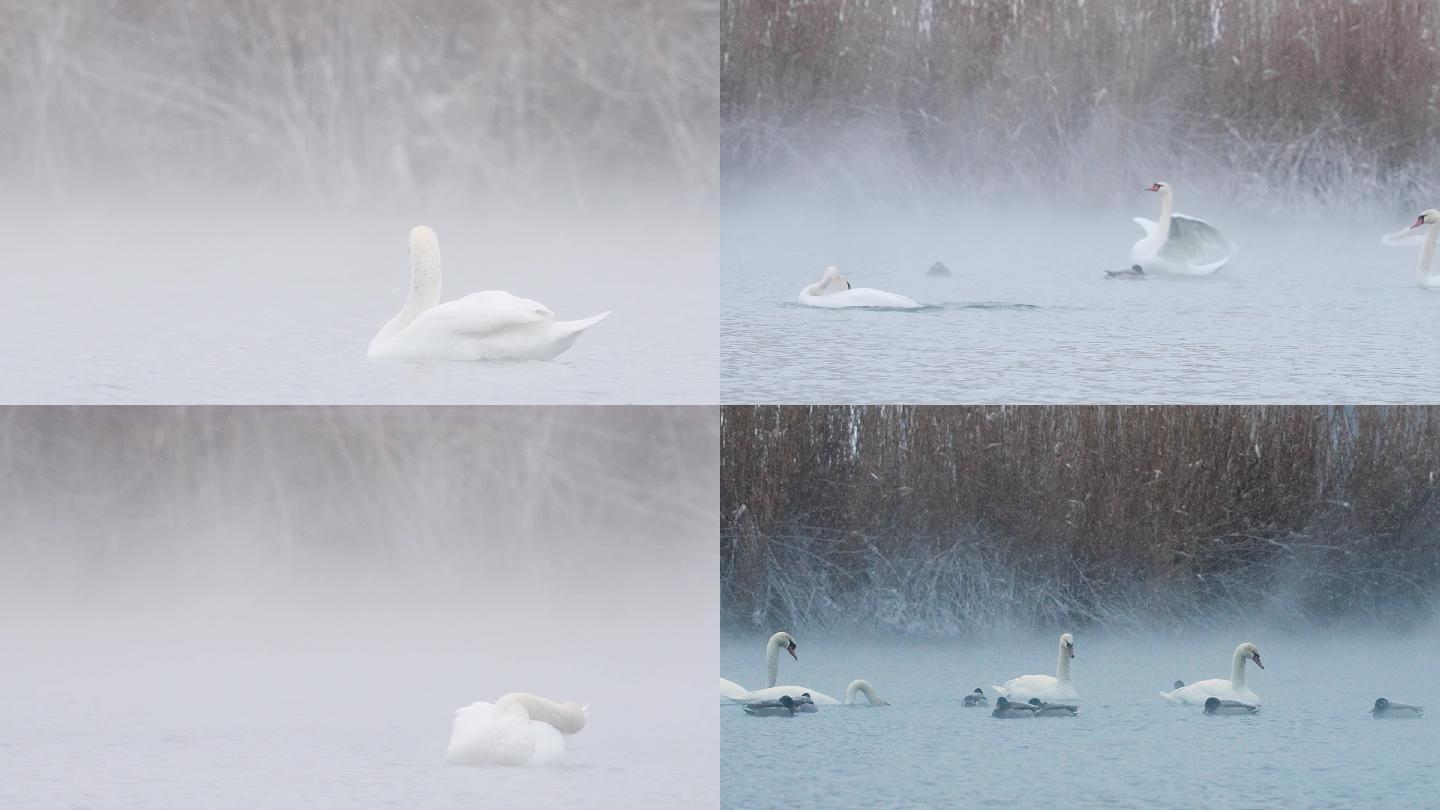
(247, 305)
(1313, 745)
(1309, 311)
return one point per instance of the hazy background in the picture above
(978, 521)
(283, 606)
(193, 191)
(1011, 140)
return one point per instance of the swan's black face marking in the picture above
(1255, 656)
(847, 285)
(791, 650)
(1420, 220)
(1155, 187)
(1070, 648)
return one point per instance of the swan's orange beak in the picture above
(791, 650)
(1257, 661)
(1418, 222)
(1153, 187)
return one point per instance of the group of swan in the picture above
(518, 729)
(490, 325)
(1176, 245)
(787, 700)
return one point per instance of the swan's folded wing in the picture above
(485, 312)
(1195, 241)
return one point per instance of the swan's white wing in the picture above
(483, 313)
(1405, 238)
(1149, 226)
(1196, 242)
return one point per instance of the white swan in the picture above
(517, 729)
(732, 691)
(1045, 687)
(1424, 276)
(1197, 693)
(1177, 244)
(833, 291)
(490, 325)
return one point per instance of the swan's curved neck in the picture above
(1062, 666)
(1167, 206)
(1237, 670)
(862, 687)
(814, 289)
(424, 289)
(1427, 253)
(772, 662)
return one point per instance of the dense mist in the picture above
(1271, 103)
(974, 520)
(508, 103)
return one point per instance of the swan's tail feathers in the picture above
(576, 327)
(1170, 697)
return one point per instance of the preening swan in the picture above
(1045, 687)
(860, 686)
(833, 291)
(976, 698)
(1424, 274)
(1233, 689)
(1177, 244)
(1214, 705)
(517, 729)
(1395, 710)
(490, 325)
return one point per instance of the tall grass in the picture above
(982, 519)
(498, 101)
(98, 496)
(1276, 103)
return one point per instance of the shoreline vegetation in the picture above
(1273, 103)
(928, 520)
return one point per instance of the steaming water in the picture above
(1308, 312)
(243, 307)
(1314, 745)
(354, 712)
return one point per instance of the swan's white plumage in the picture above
(833, 291)
(517, 729)
(1233, 688)
(490, 325)
(1044, 687)
(729, 690)
(776, 692)
(1423, 232)
(1180, 245)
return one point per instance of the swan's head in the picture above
(1160, 186)
(1248, 650)
(1428, 217)
(785, 642)
(1067, 643)
(423, 241)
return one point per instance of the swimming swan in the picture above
(1045, 687)
(490, 325)
(1177, 244)
(730, 690)
(517, 729)
(1423, 273)
(1216, 706)
(1196, 693)
(1395, 710)
(833, 291)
